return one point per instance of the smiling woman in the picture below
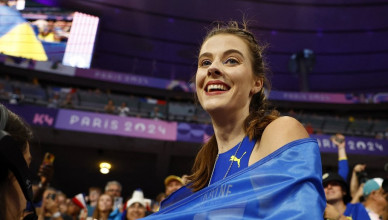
(15, 157)
(257, 164)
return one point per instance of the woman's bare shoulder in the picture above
(282, 131)
(278, 133)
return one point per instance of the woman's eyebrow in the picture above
(206, 54)
(230, 51)
(233, 51)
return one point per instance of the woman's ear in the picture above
(258, 85)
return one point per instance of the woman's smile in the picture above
(216, 87)
(224, 76)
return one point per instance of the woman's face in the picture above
(224, 79)
(105, 203)
(333, 191)
(136, 211)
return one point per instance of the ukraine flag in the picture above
(287, 184)
(17, 38)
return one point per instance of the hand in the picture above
(46, 173)
(359, 167)
(338, 140)
(84, 214)
(331, 212)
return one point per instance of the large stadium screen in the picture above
(44, 33)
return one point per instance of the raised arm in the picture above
(343, 166)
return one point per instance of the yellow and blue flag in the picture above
(17, 37)
(287, 184)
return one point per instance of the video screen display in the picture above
(43, 33)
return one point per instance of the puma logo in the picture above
(234, 158)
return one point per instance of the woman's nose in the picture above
(214, 69)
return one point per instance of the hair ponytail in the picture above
(259, 116)
(203, 165)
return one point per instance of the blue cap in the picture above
(372, 185)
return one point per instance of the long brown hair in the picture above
(97, 211)
(259, 114)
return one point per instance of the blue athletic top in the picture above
(239, 161)
(357, 211)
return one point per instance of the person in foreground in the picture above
(15, 157)
(257, 164)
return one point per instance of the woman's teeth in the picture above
(216, 87)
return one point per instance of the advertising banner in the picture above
(161, 130)
(354, 145)
(35, 115)
(310, 97)
(116, 125)
(131, 79)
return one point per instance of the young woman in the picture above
(104, 209)
(257, 164)
(15, 158)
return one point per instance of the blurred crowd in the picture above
(51, 30)
(362, 197)
(101, 204)
(350, 194)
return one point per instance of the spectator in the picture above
(123, 110)
(110, 107)
(343, 166)
(54, 102)
(185, 179)
(15, 158)
(379, 136)
(16, 96)
(47, 32)
(113, 188)
(94, 193)
(104, 209)
(73, 210)
(50, 207)
(136, 206)
(156, 114)
(376, 198)
(359, 177)
(62, 202)
(156, 205)
(63, 207)
(45, 173)
(336, 192)
(309, 128)
(68, 102)
(60, 30)
(172, 183)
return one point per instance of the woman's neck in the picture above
(228, 132)
(104, 214)
(376, 208)
(340, 206)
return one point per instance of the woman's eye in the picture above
(205, 63)
(231, 61)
